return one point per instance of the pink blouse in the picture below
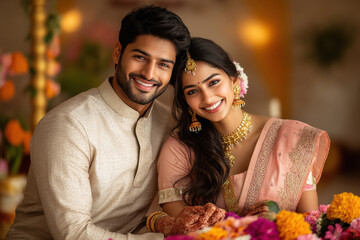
(288, 159)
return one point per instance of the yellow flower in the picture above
(291, 224)
(344, 206)
(215, 233)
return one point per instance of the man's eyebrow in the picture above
(148, 55)
(203, 81)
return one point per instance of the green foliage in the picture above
(86, 70)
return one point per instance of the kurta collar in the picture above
(117, 104)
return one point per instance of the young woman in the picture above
(223, 155)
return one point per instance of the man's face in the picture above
(144, 69)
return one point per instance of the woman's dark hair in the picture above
(210, 168)
(156, 21)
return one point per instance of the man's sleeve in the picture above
(60, 154)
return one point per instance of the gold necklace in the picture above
(236, 136)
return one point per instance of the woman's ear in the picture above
(235, 81)
(116, 53)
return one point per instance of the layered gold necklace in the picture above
(236, 136)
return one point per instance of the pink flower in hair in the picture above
(244, 84)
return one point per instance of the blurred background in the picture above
(302, 59)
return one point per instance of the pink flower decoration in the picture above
(355, 224)
(3, 168)
(307, 237)
(244, 84)
(262, 229)
(333, 233)
(179, 237)
(5, 62)
(323, 208)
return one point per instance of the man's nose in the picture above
(148, 70)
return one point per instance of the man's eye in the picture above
(139, 57)
(213, 82)
(164, 65)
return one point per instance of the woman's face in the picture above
(209, 93)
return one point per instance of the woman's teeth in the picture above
(213, 106)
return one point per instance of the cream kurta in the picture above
(93, 170)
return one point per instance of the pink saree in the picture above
(285, 153)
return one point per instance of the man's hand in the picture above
(190, 219)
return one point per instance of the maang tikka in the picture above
(190, 66)
(195, 125)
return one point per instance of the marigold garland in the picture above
(19, 63)
(14, 133)
(344, 206)
(291, 224)
(52, 89)
(26, 141)
(7, 91)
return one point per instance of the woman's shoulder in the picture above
(174, 144)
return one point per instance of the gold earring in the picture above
(238, 103)
(195, 125)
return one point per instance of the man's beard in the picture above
(142, 98)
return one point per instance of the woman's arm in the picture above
(308, 201)
(174, 208)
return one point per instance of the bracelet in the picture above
(152, 219)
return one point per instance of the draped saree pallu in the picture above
(286, 154)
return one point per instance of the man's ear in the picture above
(116, 53)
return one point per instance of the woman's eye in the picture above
(213, 82)
(191, 92)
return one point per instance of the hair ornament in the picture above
(190, 66)
(244, 84)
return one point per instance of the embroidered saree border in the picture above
(261, 165)
(231, 202)
(301, 158)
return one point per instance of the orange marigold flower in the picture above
(19, 63)
(344, 206)
(291, 225)
(27, 138)
(52, 89)
(7, 91)
(215, 233)
(14, 133)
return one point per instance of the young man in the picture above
(93, 170)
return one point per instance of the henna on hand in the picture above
(259, 209)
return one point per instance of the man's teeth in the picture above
(213, 106)
(144, 84)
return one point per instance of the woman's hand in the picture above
(190, 219)
(259, 209)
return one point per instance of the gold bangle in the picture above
(151, 220)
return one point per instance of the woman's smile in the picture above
(214, 107)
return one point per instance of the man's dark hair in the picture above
(156, 21)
